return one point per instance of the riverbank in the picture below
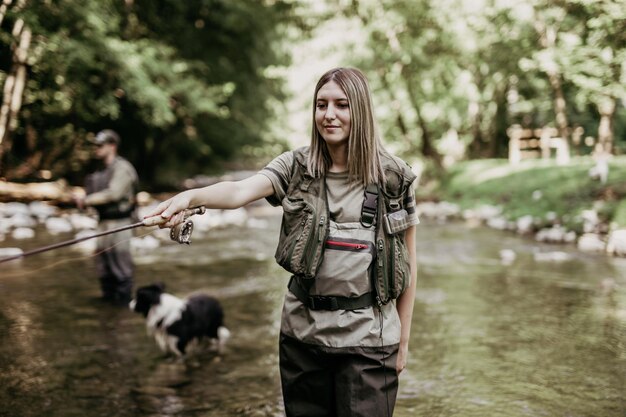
(556, 203)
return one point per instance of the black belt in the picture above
(330, 302)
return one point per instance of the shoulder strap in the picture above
(370, 205)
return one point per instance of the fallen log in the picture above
(58, 192)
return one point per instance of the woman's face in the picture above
(332, 114)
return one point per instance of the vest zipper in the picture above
(392, 269)
(350, 245)
(320, 234)
(319, 246)
(381, 265)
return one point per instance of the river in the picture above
(533, 338)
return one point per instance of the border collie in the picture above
(175, 322)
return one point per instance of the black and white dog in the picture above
(175, 322)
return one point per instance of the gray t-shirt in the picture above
(341, 328)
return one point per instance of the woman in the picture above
(348, 238)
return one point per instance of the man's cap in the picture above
(106, 136)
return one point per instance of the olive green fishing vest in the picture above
(305, 227)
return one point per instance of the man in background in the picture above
(111, 191)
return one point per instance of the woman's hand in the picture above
(172, 210)
(403, 353)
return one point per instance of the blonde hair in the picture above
(364, 144)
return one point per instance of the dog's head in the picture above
(146, 297)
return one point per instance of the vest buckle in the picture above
(370, 206)
(320, 302)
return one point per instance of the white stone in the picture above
(591, 242)
(499, 223)
(555, 234)
(23, 233)
(13, 207)
(236, 217)
(525, 224)
(41, 210)
(507, 256)
(22, 220)
(5, 224)
(82, 222)
(616, 244)
(487, 211)
(86, 246)
(555, 256)
(551, 216)
(56, 225)
(145, 243)
(590, 220)
(8, 252)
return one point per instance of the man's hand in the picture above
(79, 200)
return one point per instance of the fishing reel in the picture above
(181, 233)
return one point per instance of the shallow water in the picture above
(529, 339)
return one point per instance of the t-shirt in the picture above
(339, 328)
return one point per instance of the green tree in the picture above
(185, 83)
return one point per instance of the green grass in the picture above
(565, 190)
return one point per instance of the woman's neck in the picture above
(339, 158)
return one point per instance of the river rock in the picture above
(23, 233)
(12, 208)
(507, 256)
(498, 223)
(145, 243)
(555, 234)
(439, 211)
(591, 242)
(86, 246)
(7, 252)
(482, 213)
(556, 256)
(590, 220)
(616, 244)
(56, 225)
(81, 221)
(525, 224)
(20, 219)
(41, 210)
(5, 225)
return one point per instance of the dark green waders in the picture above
(320, 381)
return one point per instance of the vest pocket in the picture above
(392, 269)
(401, 269)
(298, 232)
(345, 269)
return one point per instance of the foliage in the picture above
(535, 187)
(180, 81)
(192, 84)
(478, 67)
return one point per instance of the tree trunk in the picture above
(14, 87)
(547, 40)
(498, 137)
(606, 108)
(427, 148)
(3, 9)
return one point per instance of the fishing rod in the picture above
(180, 233)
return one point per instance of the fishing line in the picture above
(72, 259)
